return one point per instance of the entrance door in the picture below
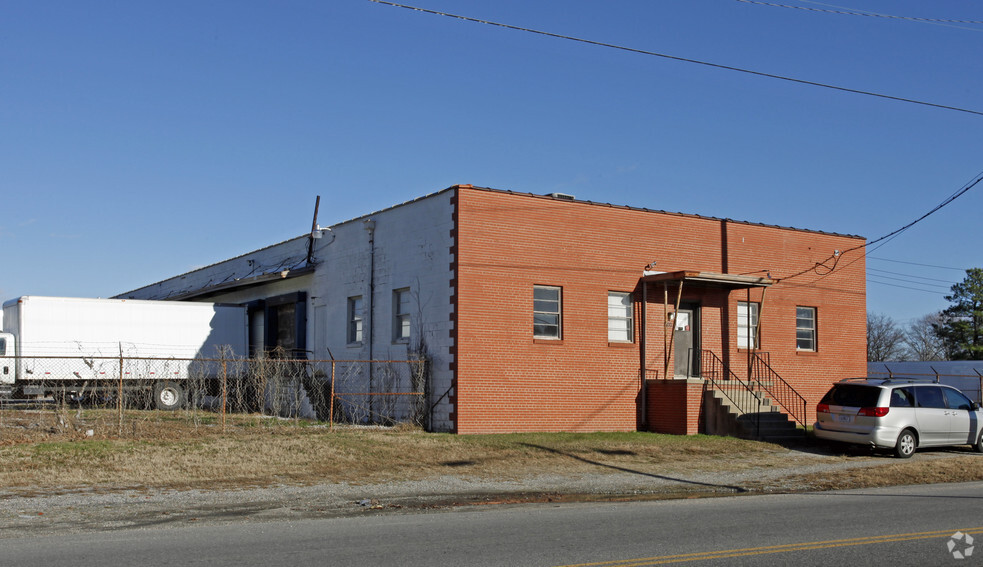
(686, 341)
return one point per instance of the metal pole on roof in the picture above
(310, 240)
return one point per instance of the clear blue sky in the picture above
(140, 140)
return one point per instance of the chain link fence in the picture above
(140, 397)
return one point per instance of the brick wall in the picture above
(674, 406)
(506, 243)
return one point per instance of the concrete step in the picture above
(767, 424)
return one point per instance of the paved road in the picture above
(892, 526)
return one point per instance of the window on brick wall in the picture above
(546, 312)
(805, 328)
(401, 315)
(747, 324)
(620, 328)
(355, 317)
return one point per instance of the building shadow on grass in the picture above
(736, 489)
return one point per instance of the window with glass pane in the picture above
(546, 312)
(355, 319)
(619, 317)
(747, 325)
(805, 328)
(401, 315)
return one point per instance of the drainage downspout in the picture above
(369, 225)
(644, 328)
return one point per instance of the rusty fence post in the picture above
(119, 396)
(331, 402)
(225, 391)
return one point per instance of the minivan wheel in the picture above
(978, 446)
(905, 447)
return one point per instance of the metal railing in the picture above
(740, 394)
(780, 391)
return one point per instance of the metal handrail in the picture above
(717, 375)
(781, 391)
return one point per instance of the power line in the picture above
(875, 281)
(915, 264)
(683, 59)
(844, 12)
(838, 255)
(908, 281)
(948, 283)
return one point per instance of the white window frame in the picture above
(748, 334)
(401, 315)
(356, 318)
(544, 314)
(806, 332)
(621, 323)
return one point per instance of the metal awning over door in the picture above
(676, 281)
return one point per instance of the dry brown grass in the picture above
(192, 450)
(925, 468)
(175, 450)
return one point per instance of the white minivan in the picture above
(900, 414)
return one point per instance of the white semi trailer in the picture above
(66, 345)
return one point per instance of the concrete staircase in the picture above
(760, 419)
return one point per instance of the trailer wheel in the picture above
(168, 396)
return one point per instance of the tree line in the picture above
(955, 333)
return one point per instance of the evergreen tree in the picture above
(961, 327)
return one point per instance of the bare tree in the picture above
(885, 340)
(922, 341)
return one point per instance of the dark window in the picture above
(401, 315)
(957, 400)
(546, 309)
(852, 395)
(902, 398)
(355, 320)
(929, 397)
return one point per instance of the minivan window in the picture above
(902, 398)
(957, 400)
(930, 397)
(852, 395)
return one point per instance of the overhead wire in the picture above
(818, 266)
(916, 264)
(875, 281)
(682, 59)
(835, 258)
(845, 12)
(912, 276)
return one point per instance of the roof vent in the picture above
(562, 197)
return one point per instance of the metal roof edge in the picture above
(659, 211)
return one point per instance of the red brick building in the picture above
(546, 313)
(602, 356)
